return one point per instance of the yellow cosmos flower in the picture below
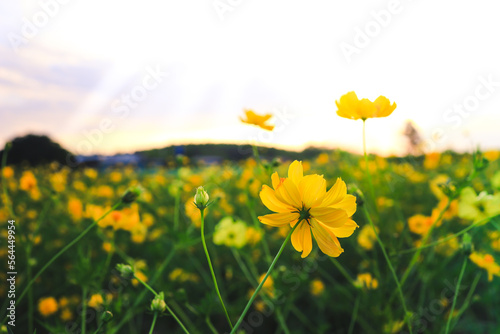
(477, 207)
(351, 107)
(96, 301)
(66, 314)
(317, 287)
(447, 248)
(304, 200)
(8, 172)
(366, 281)
(487, 262)
(230, 233)
(75, 208)
(420, 224)
(492, 155)
(435, 185)
(139, 275)
(181, 275)
(28, 181)
(367, 237)
(47, 306)
(259, 120)
(432, 160)
(252, 235)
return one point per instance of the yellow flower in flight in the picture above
(351, 107)
(259, 120)
(304, 200)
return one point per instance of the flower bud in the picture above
(158, 304)
(125, 270)
(467, 245)
(354, 189)
(201, 198)
(106, 316)
(480, 162)
(131, 194)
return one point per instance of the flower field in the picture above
(158, 236)
(339, 243)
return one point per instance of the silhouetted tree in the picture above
(35, 150)
(413, 138)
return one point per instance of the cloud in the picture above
(39, 89)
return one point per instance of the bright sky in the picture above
(118, 76)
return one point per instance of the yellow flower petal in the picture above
(267, 127)
(296, 172)
(279, 219)
(365, 109)
(288, 193)
(383, 106)
(326, 240)
(351, 107)
(336, 193)
(313, 190)
(331, 217)
(302, 240)
(268, 197)
(275, 179)
(345, 230)
(347, 107)
(348, 204)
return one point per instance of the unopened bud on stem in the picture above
(201, 198)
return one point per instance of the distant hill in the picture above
(36, 150)
(219, 152)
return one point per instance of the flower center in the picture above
(304, 215)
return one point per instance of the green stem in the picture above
(108, 260)
(178, 310)
(138, 300)
(467, 299)
(62, 251)
(258, 227)
(176, 212)
(153, 323)
(424, 241)
(250, 302)
(147, 286)
(99, 328)
(450, 316)
(252, 267)
(29, 272)
(256, 155)
(440, 241)
(282, 321)
(354, 315)
(381, 244)
(30, 291)
(84, 309)
(210, 325)
(342, 270)
(368, 174)
(244, 268)
(341, 287)
(211, 268)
